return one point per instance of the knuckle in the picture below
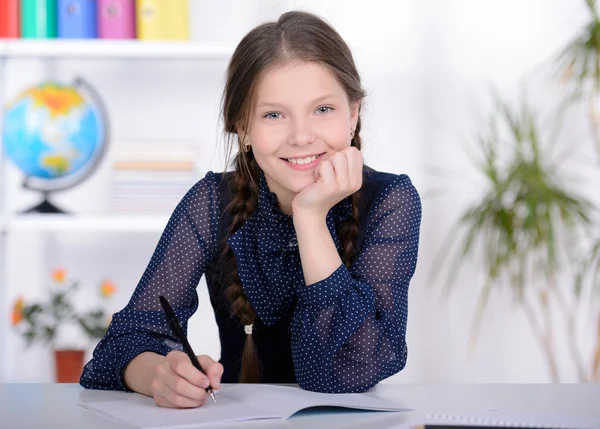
(179, 401)
(179, 366)
(179, 385)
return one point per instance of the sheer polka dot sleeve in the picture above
(177, 264)
(349, 329)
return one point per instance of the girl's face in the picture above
(300, 112)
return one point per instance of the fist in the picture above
(178, 384)
(337, 176)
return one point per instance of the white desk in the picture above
(49, 406)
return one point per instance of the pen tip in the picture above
(212, 395)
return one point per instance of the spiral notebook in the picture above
(235, 403)
(502, 419)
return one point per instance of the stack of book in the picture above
(151, 177)
(95, 19)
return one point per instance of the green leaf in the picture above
(521, 225)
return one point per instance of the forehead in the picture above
(297, 81)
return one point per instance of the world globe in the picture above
(56, 134)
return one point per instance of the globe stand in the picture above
(45, 207)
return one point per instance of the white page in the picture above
(141, 411)
(287, 400)
(235, 402)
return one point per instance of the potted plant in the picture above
(43, 321)
(524, 230)
(578, 67)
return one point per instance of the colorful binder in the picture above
(38, 19)
(161, 20)
(77, 19)
(116, 19)
(9, 19)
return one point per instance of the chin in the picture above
(298, 186)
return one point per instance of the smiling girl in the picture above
(308, 254)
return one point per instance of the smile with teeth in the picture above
(301, 161)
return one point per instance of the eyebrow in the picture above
(316, 100)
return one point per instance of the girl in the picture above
(307, 254)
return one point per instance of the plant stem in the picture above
(596, 355)
(542, 340)
(594, 120)
(571, 331)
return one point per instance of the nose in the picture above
(300, 133)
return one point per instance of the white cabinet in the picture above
(121, 63)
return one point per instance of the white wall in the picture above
(426, 67)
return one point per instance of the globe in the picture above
(56, 135)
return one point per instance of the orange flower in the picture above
(17, 312)
(107, 288)
(59, 275)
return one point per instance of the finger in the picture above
(340, 166)
(184, 388)
(359, 169)
(161, 401)
(326, 174)
(355, 167)
(351, 164)
(179, 401)
(317, 170)
(181, 364)
(213, 369)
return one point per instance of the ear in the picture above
(240, 130)
(354, 110)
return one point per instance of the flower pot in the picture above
(68, 365)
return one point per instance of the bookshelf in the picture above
(114, 49)
(47, 52)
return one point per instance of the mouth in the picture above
(307, 160)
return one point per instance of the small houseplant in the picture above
(578, 68)
(522, 230)
(42, 322)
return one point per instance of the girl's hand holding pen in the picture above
(178, 384)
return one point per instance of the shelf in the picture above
(85, 223)
(113, 49)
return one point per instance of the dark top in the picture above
(344, 333)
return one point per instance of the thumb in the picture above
(214, 370)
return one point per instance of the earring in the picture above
(351, 133)
(247, 147)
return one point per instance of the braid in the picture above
(348, 232)
(350, 228)
(244, 189)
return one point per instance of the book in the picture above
(159, 20)
(38, 19)
(503, 419)
(77, 19)
(234, 403)
(9, 19)
(116, 19)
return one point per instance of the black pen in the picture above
(178, 331)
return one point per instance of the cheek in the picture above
(336, 136)
(265, 140)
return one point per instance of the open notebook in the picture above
(235, 402)
(505, 419)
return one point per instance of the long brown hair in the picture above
(295, 36)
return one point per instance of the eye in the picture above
(272, 115)
(324, 109)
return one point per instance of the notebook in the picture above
(235, 403)
(502, 419)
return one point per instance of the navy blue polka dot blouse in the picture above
(343, 334)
